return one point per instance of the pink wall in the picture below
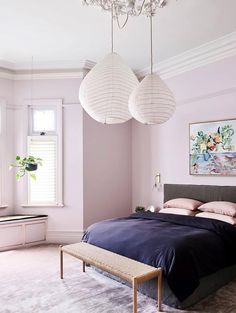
(68, 219)
(6, 90)
(107, 167)
(97, 161)
(6, 95)
(107, 170)
(207, 93)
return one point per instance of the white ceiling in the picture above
(66, 30)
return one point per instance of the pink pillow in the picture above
(220, 217)
(183, 203)
(219, 207)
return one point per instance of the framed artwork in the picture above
(213, 148)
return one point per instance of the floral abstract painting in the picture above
(213, 148)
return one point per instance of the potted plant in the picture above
(26, 165)
(139, 209)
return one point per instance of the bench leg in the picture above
(61, 262)
(159, 291)
(83, 266)
(134, 296)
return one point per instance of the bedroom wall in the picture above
(64, 224)
(97, 163)
(107, 170)
(204, 94)
(6, 96)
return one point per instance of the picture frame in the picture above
(212, 148)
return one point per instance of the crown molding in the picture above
(47, 66)
(89, 64)
(6, 74)
(46, 70)
(210, 52)
(47, 74)
(50, 75)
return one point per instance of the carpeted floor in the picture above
(30, 283)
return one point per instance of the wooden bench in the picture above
(127, 269)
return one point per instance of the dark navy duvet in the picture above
(187, 248)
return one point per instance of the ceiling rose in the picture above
(128, 7)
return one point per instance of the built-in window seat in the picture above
(22, 230)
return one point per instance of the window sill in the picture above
(42, 205)
(3, 206)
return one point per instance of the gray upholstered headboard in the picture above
(204, 193)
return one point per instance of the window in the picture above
(43, 120)
(45, 141)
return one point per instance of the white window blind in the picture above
(44, 189)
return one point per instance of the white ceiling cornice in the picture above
(50, 75)
(53, 70)
(46, 66)
(210, 52)
(56, 74)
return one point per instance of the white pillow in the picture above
(177, 211)
(220, 217)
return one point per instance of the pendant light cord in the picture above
(31, 79)
(151, 44)
(112, 31)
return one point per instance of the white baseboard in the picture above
(64, 236)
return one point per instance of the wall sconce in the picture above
(157, 181)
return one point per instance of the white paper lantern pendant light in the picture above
(104, 92)
(152, 102)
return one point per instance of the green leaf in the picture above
(21, 172)
(17, 158)
(33, 176)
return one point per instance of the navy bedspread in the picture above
(186, 247)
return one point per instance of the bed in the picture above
(198, 255)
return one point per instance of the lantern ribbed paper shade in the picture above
(104, 92)
(151, 102)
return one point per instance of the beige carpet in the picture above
(30, 283)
